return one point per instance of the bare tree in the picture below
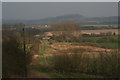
(66, 28)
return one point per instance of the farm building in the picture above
(47, 36)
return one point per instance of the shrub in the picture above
(105, 64)
(66, 62)
(70, 38)
(14, 59)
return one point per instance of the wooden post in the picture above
(24, 45)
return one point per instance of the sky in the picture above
(39, 10)
(60, 0)
(0, 11)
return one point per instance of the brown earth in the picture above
(100, 31)
(66, 48)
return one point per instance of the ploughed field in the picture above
(68, 49)
(98, 31)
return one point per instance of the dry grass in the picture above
(98, 31)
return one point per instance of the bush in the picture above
(105, 64)
(66, 62)
(14, 59)
(70, 38)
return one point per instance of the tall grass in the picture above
(106, 64)
(43, 47)
(76, 61)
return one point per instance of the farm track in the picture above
(64, 48)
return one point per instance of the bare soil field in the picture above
(99, 31)
(66, 48)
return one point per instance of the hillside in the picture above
(74, 17)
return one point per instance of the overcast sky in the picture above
(60, 0)
(39, 10)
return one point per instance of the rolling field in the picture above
(63, 60)
(102, 45)
(98, 31)
(102, 25)
(77, 60)
(110, 45)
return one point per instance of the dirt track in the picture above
(92, 49)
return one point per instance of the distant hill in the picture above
(103, 20)
(74, 17)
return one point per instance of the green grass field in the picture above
(98, 37)
(102, 45)
(108, 45)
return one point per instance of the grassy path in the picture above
(37, 74)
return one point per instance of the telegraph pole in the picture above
(25, 57)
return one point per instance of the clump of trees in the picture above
(65, 26)
(15, 58)
(105, 64)
(65, 31)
